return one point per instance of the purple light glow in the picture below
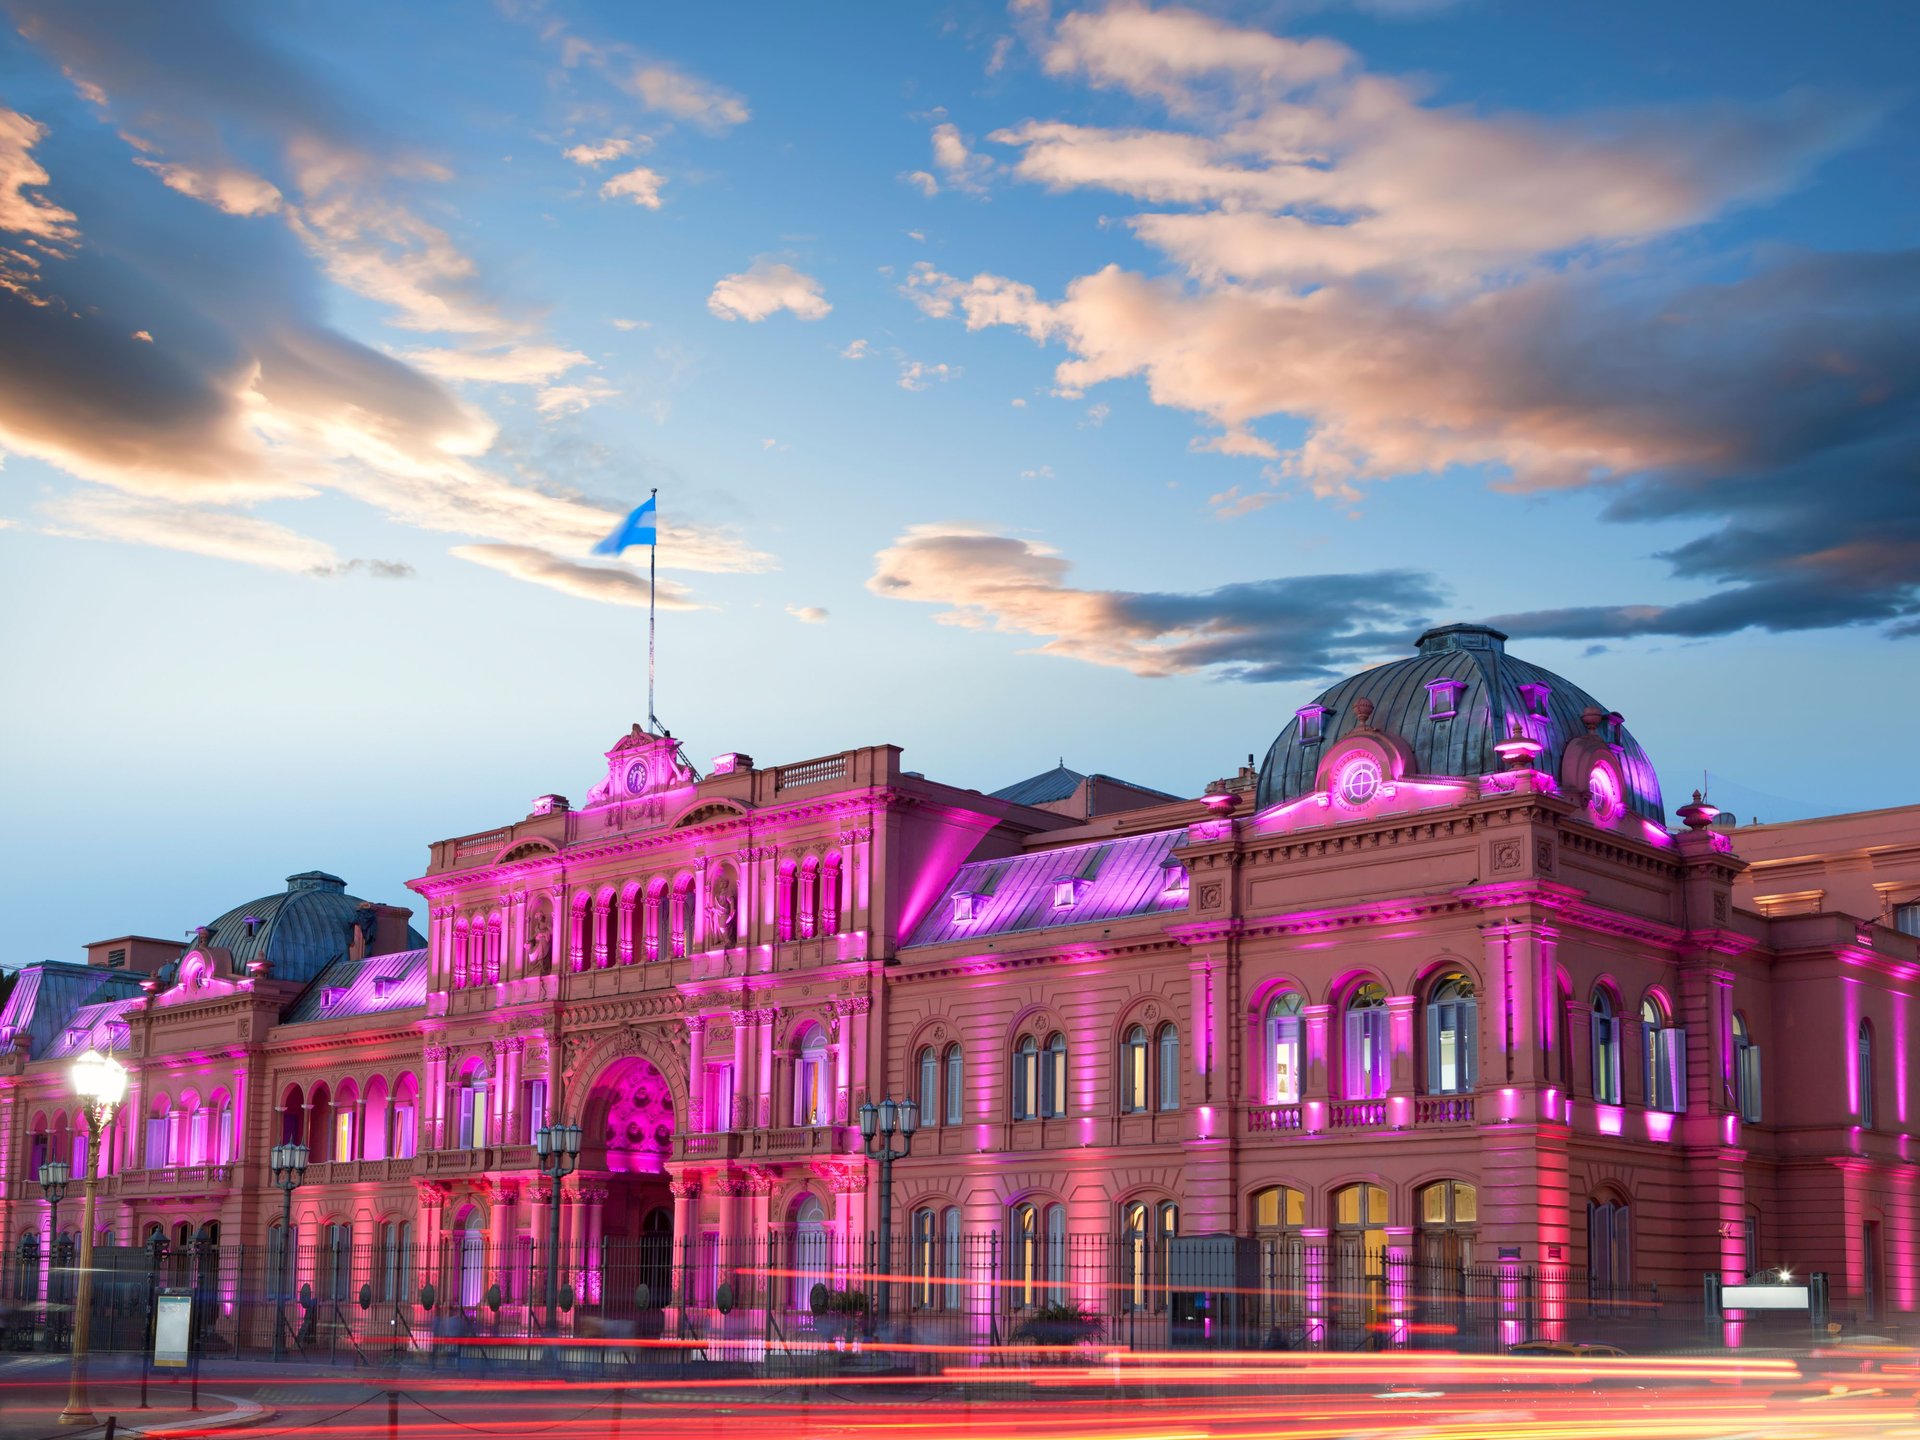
(1611, 1118)
(1659, 1126)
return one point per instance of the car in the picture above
(1567, 1350)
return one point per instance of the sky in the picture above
(1020, 383)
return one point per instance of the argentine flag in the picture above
(638, 528)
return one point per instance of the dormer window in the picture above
(1441, 701)
(1312, 723)
(385, 985)
(333, 996)
(1066, 893)
(1173, 878)
(1535, 698)
(966, 906)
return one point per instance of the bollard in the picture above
(393, 1415)
(113, 1424)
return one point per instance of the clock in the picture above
(636, 777)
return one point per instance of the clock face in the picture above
(636, 777)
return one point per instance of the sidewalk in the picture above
(33, 1391)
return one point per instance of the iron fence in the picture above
(965, 1298)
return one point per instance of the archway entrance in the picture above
(625, 1237)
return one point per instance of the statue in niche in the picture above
(539, 942)
(722, 905)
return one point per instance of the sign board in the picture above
(173, 1329)
(1764, 1297)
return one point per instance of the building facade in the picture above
(1435, 986)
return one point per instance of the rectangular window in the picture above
(956, 1085)
(1747, 1078)
(343, 1135)
(1366, 1054)
(1452, 1047)
(963, 902)
(1312, 720)
(403, 1132)
(536, 1107)
(156, 1149)
(473, 1117)
(1606, 1059)
(223, 1138)
(718, 1099)
(1440, 701)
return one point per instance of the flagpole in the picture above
(653, 561)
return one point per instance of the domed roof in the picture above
(298, 931)
(1490, 689)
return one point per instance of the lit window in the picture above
(1606, 1050)
(1367, 1050)
(1285, 1036)
(1603, 795)
(1906, 918)
(1312, 723)
(1358, 780)
(1452, 1037)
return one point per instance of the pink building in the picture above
(1433, 990)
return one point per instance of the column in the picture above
(577, 942)
(763, 1080)
(573, 1238)
(516, 937)
(512, 1132)
(500, 1234)
(686, 1194)
(626, 929)
(1318, 1090)
(433, 1098)
(497, 1096)
(842, 1027)
(1314, 1243)
(742, 1040)
(696, 1071)
(539, 1196)
(595, 1197)
(859, 1008)
(1399, 1262)
(603, 914)
(1400, 1079)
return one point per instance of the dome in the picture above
(1491, 692)
(298, 931)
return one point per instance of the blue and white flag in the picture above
(637, 529)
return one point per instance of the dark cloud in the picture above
(1302, 627)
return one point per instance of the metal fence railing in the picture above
(754, 1299)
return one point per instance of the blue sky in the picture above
(1019, 383)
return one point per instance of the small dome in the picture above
(1487, 691)
(298, 931)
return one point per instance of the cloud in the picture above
(217, 534)
(954, 158)
(808, 614)
(228, 188)
(1425, 288)
(764, 289)
(525, 364)
(674, 92)
(32, 216)
(1267, 630)
(607, 584)
(569, 399)
(923, 181)
(640, 185)
(602, 151)
(855, 351)
(252, 393)
(629, 324)
(919, 374)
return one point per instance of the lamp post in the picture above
(878, 1126)
(288, 1163)
(101, 1082)
(54, 1175)
(557, 1148)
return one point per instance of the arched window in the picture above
(222, 1128)
(405, 1109)
(1453, 1036)
(1026, 1078)
(683, 918)
(784, 900)
(956, 1086)
(650, 919)
(929, 1091)
(1746, 1071)
(811, 1105)
(1606, 1049)
(809, 898)
(1663, 1059)
(1053, 1077)
(1168, 1046)
(344, 1116)
(923, 1239)
(396, 1261)
(1366, 1043)
(157, 1152)
(1449, 1216)
(1359, 1249)
(1136, 1253)
(1863, 1073)
(320, 1124)
(812, 1259)
(1133, 1071)
(293, 1116)
(1039, 1254)
(1609, 1250)
(1283, 1046)
(830, 896)
(376, 1124)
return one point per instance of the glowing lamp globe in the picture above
(100, 1079)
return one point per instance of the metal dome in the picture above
(1490, 689)
(298, 931)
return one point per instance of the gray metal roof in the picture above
(362, 987)
(47, 996)
(1475, 657)
(1042, 789)
(299, 931)
(1119, 879)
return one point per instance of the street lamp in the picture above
(289, 1165)
(878, 1126)
(54, 1175)
(101, 1082)
(558, 1150)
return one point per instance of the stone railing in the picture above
(810, 772)
(1273, 1119)
(175, 1180)
(1443, 1110)
(1356, 1114)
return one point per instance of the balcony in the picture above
(362, 1172)
(180, 1180)
(475, 1162)
(716, 1145)
(789, 1142)
(1316, 1119)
